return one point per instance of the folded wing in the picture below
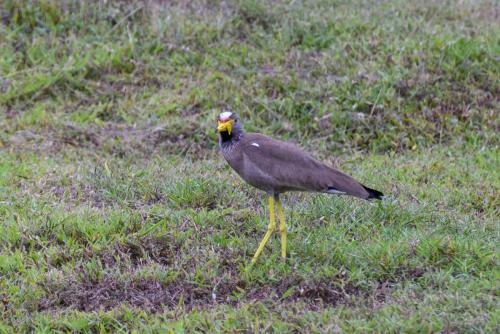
(289, 168)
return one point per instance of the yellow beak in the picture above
(225, 126)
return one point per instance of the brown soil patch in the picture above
(107, 293)
(115, 139)
(84, 292)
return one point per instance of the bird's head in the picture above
(226, 122)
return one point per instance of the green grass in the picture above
(117, 213)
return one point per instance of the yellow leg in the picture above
(270, 229)
(282, 228)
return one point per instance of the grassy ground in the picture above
(117, 213)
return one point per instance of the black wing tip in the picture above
(373, 194)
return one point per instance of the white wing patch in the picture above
(335, 191)
(255, 144)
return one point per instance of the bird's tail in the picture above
(373, 194)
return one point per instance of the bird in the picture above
(276, 167)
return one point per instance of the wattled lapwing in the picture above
(275, 167)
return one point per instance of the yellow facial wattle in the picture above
(225, 126)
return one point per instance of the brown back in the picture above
(274, 165)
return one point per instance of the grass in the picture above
(117, 213)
